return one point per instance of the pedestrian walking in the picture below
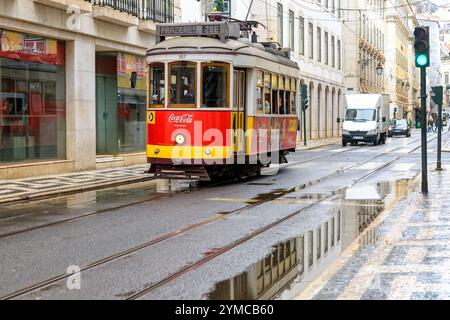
(430, 123)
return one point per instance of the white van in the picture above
(366, 118)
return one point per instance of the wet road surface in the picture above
(181, 240)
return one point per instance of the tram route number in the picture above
(186, 30)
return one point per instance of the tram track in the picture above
(152, 287)
(224, 249)
(105, 210)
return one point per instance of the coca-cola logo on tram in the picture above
(181, 119)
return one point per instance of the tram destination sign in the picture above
(210, 29)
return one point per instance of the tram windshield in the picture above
(215, 77)
(183, 84)
(157, 82)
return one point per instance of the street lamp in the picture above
(379, 69)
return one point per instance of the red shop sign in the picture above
(25, 47)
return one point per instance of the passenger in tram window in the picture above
(267, 106)
(189, 96)
(155, 98)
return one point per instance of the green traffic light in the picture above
(422, 60)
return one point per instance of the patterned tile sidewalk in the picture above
(43, 186)
(409, 260)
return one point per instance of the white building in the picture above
(313, 31)
(364, 37)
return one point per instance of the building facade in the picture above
(313, 33)
(364, 42)
(401, 76)
(73, 83)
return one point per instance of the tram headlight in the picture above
(156, 151)
(208, 152)
(180, 139)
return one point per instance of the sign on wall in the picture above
(25, 47)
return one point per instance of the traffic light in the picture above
(305, 101)
(218, 5)
(437, 95)
(422, 47)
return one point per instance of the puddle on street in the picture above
(292, 264)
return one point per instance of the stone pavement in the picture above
(45, 186)
(313, 144)
(410, 258)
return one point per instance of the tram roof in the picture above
(206, 45)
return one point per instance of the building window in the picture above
(280, 24)
(339, 54)
(326, 47)
(319, 243)
(131, 103)
(301, 44)
(32, 98)
(446, 78)
(155, 10)
(310, 249)
(319, 44)
(291, 29)
(311, 40)
(333, 222)
(333, 52)
(325, 238)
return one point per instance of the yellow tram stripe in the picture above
(189, 152)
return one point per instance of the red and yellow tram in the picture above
(217, 103)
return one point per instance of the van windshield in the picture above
(360, 115)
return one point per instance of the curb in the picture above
(70, 190)
(315, 147)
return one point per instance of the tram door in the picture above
(239, 106)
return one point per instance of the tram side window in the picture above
(281, 97)
(157, 85)
(183, 89)
(215, 90)
(293, 96)
(288, 94)
(267, 94)
(275, 101)
(259, 93)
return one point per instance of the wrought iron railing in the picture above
(154, 10)
(157, 10)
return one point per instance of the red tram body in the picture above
(217, 103)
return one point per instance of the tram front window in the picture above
(215, 85)
(182, 84)
(156, 84)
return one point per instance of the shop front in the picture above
(32, 98)
(120, 100)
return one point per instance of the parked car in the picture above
(399, 128)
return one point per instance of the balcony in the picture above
(65, 4)
(142, 13)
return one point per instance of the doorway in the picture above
(106, 114)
